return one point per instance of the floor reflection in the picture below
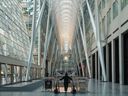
(93, 88)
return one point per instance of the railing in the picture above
(79, 83)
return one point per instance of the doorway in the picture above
(110, 61)
(93, 65)
(97, 64)
(117, 60)
(104, 54)
(125, 45)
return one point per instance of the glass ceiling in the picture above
(65, 16)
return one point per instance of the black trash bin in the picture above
(48, 84)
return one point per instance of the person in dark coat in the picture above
(66, 79)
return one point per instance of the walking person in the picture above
(66, 79)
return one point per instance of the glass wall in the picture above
(14, 39)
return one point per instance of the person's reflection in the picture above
(56, 95)
(73, 94)
(64, 95)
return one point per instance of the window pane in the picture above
(99, 8)
(108, 19)
(103, 3)
(123, 3)
(115, 9)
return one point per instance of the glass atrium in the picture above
(42, 40)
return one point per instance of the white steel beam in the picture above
(78, 46)
(40, 15)
(85, 48)
(77, 59)
(32, 42)
(56, 52)
(38, 26)
(51, 59)
(96, 32)
(46, 38)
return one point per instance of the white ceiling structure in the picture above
(66, 15)
(69, 18)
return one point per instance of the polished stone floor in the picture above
(94, 88)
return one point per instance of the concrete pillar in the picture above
(96, 71)
(0, 75)
(40, 72)
(20, 73)
(99, 68)
(113, 61)
(12, 72)
(91, 66)
(121, 64)
(107, 62)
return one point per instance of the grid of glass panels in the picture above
(14, 39)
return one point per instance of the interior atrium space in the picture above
(64, 47)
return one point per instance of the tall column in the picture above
(99, 68)
(32, 41)
(39, 46)
(121, 64)
(20, 73)
(84, 40)
(96, 65)
(97, 35)
(51, 59)
(0, 74)
(79, 52)
(91, 66)
(12, 72)
(113, 61)
(76, 55)
(107, 62)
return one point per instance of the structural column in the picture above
(107, 62)
(113, 61)
(32, 41)
(76, 55)
(79, 52)
(96, 65)
(0, 75)
(12, 72)
(91, 65)
(20, 73)
(121, 64)
(96, 34)
(99, 67)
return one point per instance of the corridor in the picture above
(43, 40)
